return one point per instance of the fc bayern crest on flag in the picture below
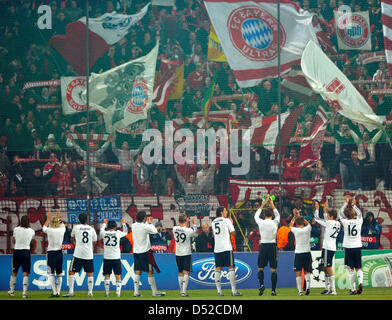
(139, 97)
(353, 30)
(254, 33)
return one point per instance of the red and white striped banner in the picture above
(94, 137)
(386, 18)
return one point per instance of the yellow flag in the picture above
(178, 84)
(215, 52)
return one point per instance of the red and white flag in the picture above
(248, 33)
(311, 145)
(265, 130)
(162, 90)
(104, 31)
(386, 18)
(294, 84)
(326, 79)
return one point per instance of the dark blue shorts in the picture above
(184, 263)
(110, 265)
(224, 259)
(353, 257)
(54, 261)
(77, 264)
(21, 259)
(303, 261)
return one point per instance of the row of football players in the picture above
(84, 238)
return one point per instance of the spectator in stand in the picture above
(316, 172)
(254, 239)
(205, 240)
(36, 184)
(159, 241)
(66, 182)
(204, 173)
(291, 168)
(141, 188)
(355, 170)
(125, 158)
(51, 171)
(51, 146)
(197, 77)
(371, 228)
(193, 186)
(382, 76)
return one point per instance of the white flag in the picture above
(248, 33)
(353, 30)
(71, 91)
(124, 94)
(326, 79)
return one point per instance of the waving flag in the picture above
(104, 31)
(326, 79)
(162, 90)
(386, 18)
(248, 33)
(124, 94)
(265, 130)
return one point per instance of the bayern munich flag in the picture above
(248, 32)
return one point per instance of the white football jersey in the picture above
(141, 236)
(183, 237)
(302, 238)
(352, 228)
(268, 227)
(221, 228)
(55, 237)
(331, 232)
(111, 242)
(84, 236)
(23, 237)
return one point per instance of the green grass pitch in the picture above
(206, 295)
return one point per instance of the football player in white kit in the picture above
(112, 253)
(302, 254)
(268, 251)
(351, 219)
(22, 238)
(142, 253)
(183, 236)
(55, 229)
(222, 228)
(332, 229)
(84, 237)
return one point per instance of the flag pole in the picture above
(88, 111)
(279, 113)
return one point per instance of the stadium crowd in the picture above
(28, 130)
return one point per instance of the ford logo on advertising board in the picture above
(203, 272)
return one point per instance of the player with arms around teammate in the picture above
(332, 229)
(268, 251)
(222, 228)
(351, 219)
(112, 253)
(183, 235)
(55, 230)
(21, 258)
(302, 254)
(142, 253)
(84, 238)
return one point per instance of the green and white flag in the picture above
(124, 94)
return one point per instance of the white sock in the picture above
(180, 282)
(12, 283)
(307, 280)
(218, 284)
(151, 282)
(327, 280)
(185, 283)
(136, 283)
(107, 285)
(351, 277)
(25, 284)
(118, 287)
(332, 282)
(299, 283)
(71, 282)
(90, 284)
(232, 280)
(52, 281)
(59, 282)
(360, 276)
